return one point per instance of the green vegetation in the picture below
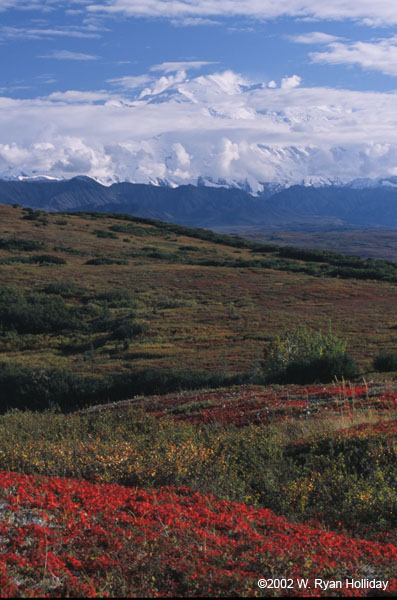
(40, 389)
(21, 244)
(105, 260)
(172, 297)
(320, 263)
(299, 469)
(305, 356)
(385, 361)
(101, 233)
(36, 313)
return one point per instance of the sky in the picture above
(243, 91)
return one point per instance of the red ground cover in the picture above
(262, 405)
(61, 537)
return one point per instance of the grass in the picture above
(217, 317)
(196, 492)
(198, 439)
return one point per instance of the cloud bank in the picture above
(381, 12)
(196, 12)
(377, 55)
(221, 127)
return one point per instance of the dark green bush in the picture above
(32, 215)
(323, 369)
(103, 260)
(117, 299)
(385, 361)
(128, 330)
(101, 233)
(106, 322)
(48, 259)
(64, 289)
(36, 313)
(39, 389)
(304, 356)
(21, 244)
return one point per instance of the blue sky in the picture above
(174, 89)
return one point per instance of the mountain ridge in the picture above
(358, 204)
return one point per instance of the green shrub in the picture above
(38, 389)
(304, 356)
(48, 259)
(385, 361)
(36, 313)
(64, 289)
(103, 260)
(128, 330)
(117, 299)
(101, 233)
(21, 244)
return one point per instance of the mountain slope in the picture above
(296, 207)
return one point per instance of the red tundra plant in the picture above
(67, 538)
(245, 405)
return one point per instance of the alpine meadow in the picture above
(198, 292)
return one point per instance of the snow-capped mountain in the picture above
(218, 128)
(215, 206)
(11, 174)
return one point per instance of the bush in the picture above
(21, 387)
(21, 244)
(48, 259)
(385, 361)
(117, 299)
(303, 356)
(36, 313)
(106, 261)
(104, 234)
(63, 288)
(128, 330)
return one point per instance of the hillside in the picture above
(104, 295)
(135, 465)
(202, 493)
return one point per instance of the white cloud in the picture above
(193, 22)
(381, 12)
(130, 82)
(379, 55)
(314, 37)
(288, 83)
(24, 5)
(76, 96)
(185, 65)
(37, 33)
(69, 55)
(206, 12)
(215, 126)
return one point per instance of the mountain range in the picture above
(362, 203)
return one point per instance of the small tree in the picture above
(304, 356)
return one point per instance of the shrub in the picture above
(36, 313)
(63, 288)
(128, 330)
(304, 356)
(21, 244)
(104, 234)
(385, 361)
(48, 259)
(117, 299)
(105, 261)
